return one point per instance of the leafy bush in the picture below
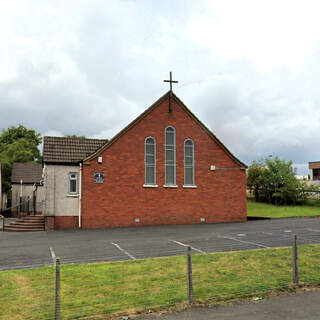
(274, 181)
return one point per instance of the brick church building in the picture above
(165, 167)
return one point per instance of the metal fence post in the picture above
(295, 273)
(57, 290)
(190, 284)
(34, 203)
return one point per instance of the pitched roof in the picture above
(146, 112)
(28, 172)
(69, 150)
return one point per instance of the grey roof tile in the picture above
(28, 172)
(69, 150)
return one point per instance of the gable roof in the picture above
(146, 112)
(28, 172)
(69, 150)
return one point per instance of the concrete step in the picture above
(30, 220)
(13, 229)
(25, 224)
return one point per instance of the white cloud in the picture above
(269, 33)
(53, 133)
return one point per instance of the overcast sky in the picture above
(248, 69)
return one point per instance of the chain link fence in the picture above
(75, 291)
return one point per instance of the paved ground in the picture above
(300, 306)
(20, 250)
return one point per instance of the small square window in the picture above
(98, 177)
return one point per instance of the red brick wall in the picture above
(220, 195)
(49, 223)
(66, 222)
(61, 222)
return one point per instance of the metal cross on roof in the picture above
(171, 81)
(170, 96)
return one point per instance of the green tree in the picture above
(273, 181)
(17, 144)
(280, 183)
(254, 178)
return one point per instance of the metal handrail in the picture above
(2, 217)
(10, 208)
(19, 204)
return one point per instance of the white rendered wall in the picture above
(58, 201)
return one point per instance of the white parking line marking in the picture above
(287, 231)
(241, 235)
(53, 256)
(314, 230)
(249, 242)
(185, 245)
(124, 251)
(268, 233)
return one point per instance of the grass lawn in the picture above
(258, 209)
(108, 289)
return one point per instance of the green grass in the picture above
(258, 209)
(128, 287)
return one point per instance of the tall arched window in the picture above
(189, 163)
(150, 161)
(170, 156)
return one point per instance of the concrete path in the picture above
(30, 249)
(304, 306)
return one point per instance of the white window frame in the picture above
(76, 179)
(193, 185)
(174, 185)
(148, 184)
